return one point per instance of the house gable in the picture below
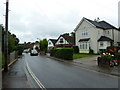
(84, 23)
(61, 40)
(50, 43)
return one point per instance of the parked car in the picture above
(34, 52)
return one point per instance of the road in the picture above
(56, 74)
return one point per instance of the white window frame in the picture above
(101, 44)
(84, 45)
(85, 33)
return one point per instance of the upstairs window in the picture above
(49, 43)
(85, 33)
(61, 40)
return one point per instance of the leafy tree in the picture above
(72, 34)
(43, 45)
(66, 34)
(11, 43)
(37, 48)
(20, 49)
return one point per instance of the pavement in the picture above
(91, 63)
(15, 77)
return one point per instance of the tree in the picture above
(66, 34)
(72, 34)
(20, 49)
(13, 42)
(37, 48)
(43, 45)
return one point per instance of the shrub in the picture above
(101, 51)
(3, 61)
(113, 48)
(20, 49)
(75, 49)
(62, 53)
(105, 60)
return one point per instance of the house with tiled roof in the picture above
(96, 35)
(51, 43)
(65, 41)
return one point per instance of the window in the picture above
(84, 45)
(85, 33)
(49, 43)
(80, 45)
(61, 40)
(107, 32)
(101, 44)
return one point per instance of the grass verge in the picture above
(76, 56)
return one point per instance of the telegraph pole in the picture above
(6, 37)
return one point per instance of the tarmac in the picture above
(16, 76)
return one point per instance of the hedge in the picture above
(62, 53)
(75, 49)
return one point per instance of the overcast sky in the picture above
(32, 19)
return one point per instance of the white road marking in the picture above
(35, 78)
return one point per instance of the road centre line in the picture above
(35, 78)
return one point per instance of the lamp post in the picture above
(6, 37)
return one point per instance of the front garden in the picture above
(68, 53)
(110, 57)
(76, 56)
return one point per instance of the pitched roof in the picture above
(68, 38)
(53, 41)
(104, 38)
(85, 39)
(101, 24)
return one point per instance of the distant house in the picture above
(96, 35)
(65, 41)
(51, 43)
(28, 45)
(36, 44)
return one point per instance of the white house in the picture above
(51, 43)
(96, 35)
(65, 41)
(36, 44)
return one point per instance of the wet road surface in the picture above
(56, 74)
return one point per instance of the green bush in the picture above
(62, 53)
(20, 49)
(3, 61)
(101, 51)
(75, 49)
